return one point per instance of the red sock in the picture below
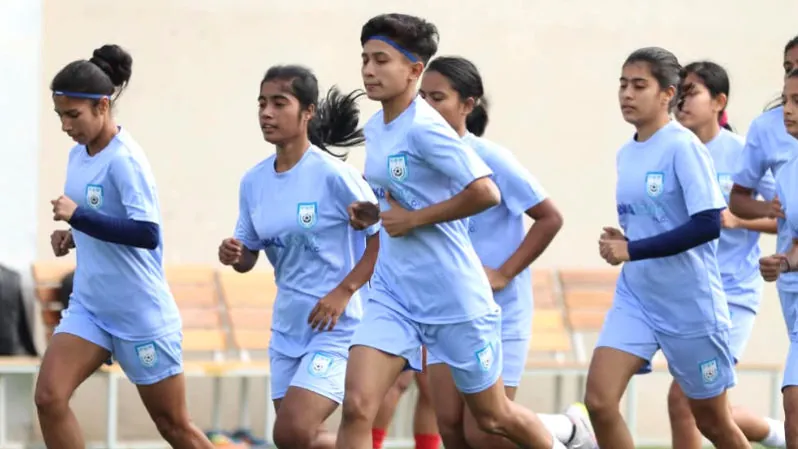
(377, 437)
(428, 441)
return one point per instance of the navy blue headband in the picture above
(64, 93)
(399, 48)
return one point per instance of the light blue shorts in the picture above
(514, 354)
(144, 362)
(322, 372)
(703, 366)
(472, 349)
(742, 320)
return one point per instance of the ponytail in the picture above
(723, 121)
(477, 120)
(335, 122)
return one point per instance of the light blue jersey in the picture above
(299, 219)
(768, 147)
(738, 249)
(122, 287)
(432, 275)
(662, 182)
(498, 232)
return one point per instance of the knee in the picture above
(450, 423)
(50, 399)
(600, 405)
(678, 406)
(491, 420)
(476, 438)
(292, 434)
(172, 426)
(712, 421)
(358, 407)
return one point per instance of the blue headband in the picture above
(64, 93)
(399, 48)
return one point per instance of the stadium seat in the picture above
(249, 299)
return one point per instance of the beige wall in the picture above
(551, 70)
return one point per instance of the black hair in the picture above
(337, 115)
(412, 33)
(107, 72)
(664, 67)
(773, 104)
(792, 43)
(465, 79)
(714, 77)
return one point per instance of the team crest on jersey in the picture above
(709, 371)
(94, 196)
(148, 356)
(486, 357)
(655, 182)
(726, 183)
(307, 214)
(397, 167)
(320, 364)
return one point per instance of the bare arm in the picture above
(475, 198)
(548, 222)
(743, 204)
(363, 269)
(766, 225)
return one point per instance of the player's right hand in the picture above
(230, 251)
(62, 242)
(772, 266)
(363, 214)
(610, 233)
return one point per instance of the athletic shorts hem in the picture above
(644, 370)
(511, 383)
(82, 337)
(481, 387)
(337, 398)
(152, 380)
(708, 394)
(408, 363)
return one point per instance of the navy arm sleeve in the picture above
(124, 231)
(701, 228)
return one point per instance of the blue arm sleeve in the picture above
(124, 231)
(701, 228)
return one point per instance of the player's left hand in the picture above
(497, 280)
(325, 314)
(772, 266)
(63, 208)
(615, 252)
(728, 220)
(397, 221)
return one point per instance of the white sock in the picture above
(557, 444)
(560, 426)
(776, 437)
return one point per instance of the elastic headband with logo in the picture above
(399, 48)
(65, 93)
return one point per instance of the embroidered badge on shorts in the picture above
(148, 356)
(320, 364)
(486, 357)
(709, 371)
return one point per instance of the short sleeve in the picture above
(439, 145)
(245, 230)
(753, 163)
(767, 186)
(350, 187)
(520, 190)
(697, 178)
(136, 189)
